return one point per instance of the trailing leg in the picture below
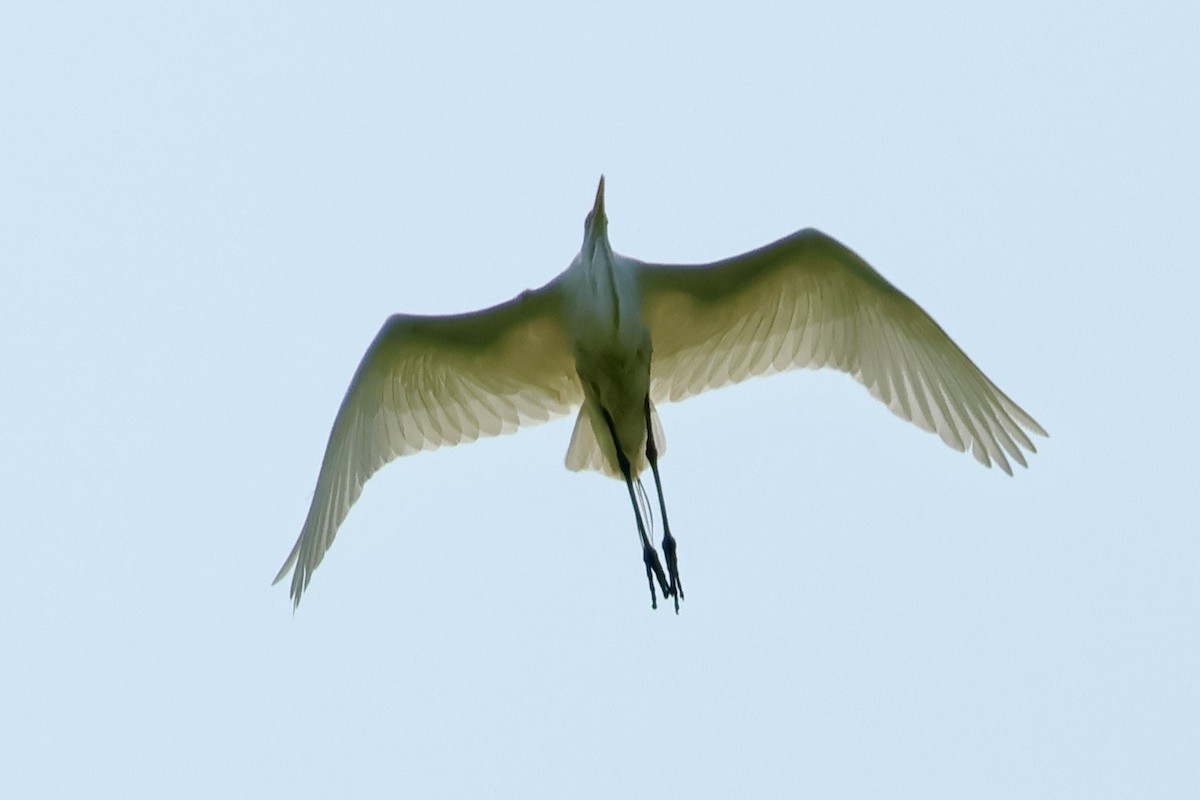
(675, 590)
(649, 555)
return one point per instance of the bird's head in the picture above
(595, 226)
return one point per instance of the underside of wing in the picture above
(808, 301)
(428, 382)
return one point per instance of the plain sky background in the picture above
(206, 213)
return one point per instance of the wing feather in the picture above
(808, 301)
(428, 382)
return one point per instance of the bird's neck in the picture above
(602, 283)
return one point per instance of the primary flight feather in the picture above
(611, 336)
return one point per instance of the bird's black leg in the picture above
(669, 550)
(649, 555)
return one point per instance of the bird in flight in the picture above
(612, 337)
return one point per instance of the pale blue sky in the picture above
(206, 214)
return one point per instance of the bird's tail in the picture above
(597, 453)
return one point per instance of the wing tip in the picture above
(299, 578)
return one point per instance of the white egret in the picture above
(612, 336)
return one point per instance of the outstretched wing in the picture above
(809, 301)
(428, 382)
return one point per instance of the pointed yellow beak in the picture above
(598, 207)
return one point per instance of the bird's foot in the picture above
(654, 570)
(675, 590)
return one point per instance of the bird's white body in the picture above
(611, 347)
(611, 336)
